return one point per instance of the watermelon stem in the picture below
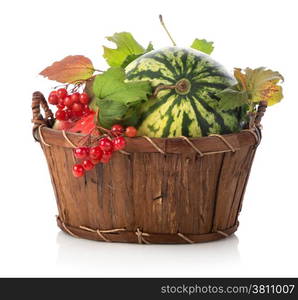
(163, 87)
(182, 87)
(165, 28)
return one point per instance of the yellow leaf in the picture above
(270, 92)
(253, 86)
(260, 84)
(240, 77)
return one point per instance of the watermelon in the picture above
(84, 125)
(189, 106)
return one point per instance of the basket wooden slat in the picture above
(228, 181)
(154, 192)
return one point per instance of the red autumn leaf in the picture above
(70, 69)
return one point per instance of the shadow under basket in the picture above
(159, 191)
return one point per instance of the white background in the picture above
(246, 33)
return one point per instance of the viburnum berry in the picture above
(67, 101)
(95, 153)
(61, 101)
(60, 106)
(88, 165)
(53, 98)
(117, 129)
(78, 114)
(77, 107)
(84, 98)
(119, 143)
(106, 144)
(68, 113)
(61, 115)
(81, 152)
(130, 131)
(86, 110)
(75, 97)
(62, 93)
(106, 156)
(78, 170)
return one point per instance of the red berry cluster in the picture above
(70, 106)
(102, 152)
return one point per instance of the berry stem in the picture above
(97, 70)
(85, 140)
(165, 28)
(61, 86)
(103, 129)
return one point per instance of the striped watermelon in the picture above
(190, 108)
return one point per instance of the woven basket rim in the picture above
(202, 145)
(153, 138)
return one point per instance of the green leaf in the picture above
(203, 46)
(129, 59)
(110, 85)
(132, 57)
(117, 100)
(230, 98)
(89, 87)
(149, 47)
(93, 103)
(126, 46)
(110, 112)
(89, 90)
(131, 117)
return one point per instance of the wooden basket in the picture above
(161, 190)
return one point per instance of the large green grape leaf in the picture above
(116, 99)
(127, 50)
(132, 57)
(230, 98)
(110, 112)
(110, 85)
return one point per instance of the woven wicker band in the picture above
(226, 146)
(125, 236)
